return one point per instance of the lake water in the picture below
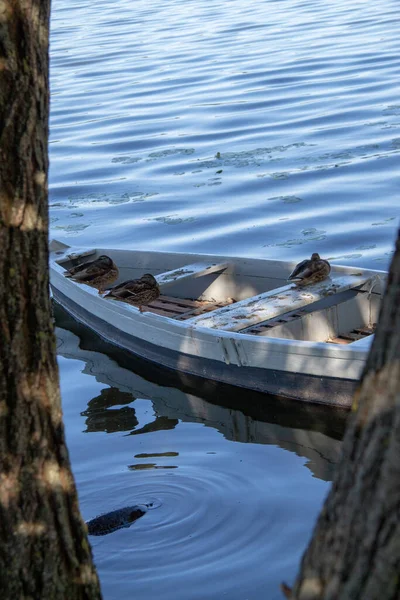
(265, 129)
(236, 492)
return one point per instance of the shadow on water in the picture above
(312, 431)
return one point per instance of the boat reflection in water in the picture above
(310, 431)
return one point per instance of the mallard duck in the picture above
(98, 273)
(136, 291)
(310, 270)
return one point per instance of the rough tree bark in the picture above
(44, 550)
(354, 553)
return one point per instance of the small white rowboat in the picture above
(235, 320)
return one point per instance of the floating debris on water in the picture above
(286, 199)
(125, 160)
(172, 219)
(312, 231)
(72, 228)
(385, 222)
(171, 152)
(366, 247)
(283, 175)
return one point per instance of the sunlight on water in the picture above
(240, 125)
(265, 129)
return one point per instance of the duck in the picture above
(97, 273)
(310, 270)
(136, 291)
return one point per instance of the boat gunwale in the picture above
(280, 345)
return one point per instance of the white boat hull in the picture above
(305, 370)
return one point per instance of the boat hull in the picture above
(291, 360)
(332, 391)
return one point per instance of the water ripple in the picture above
(266, 129)
(301, 95)
(215, 515)
(233, 495)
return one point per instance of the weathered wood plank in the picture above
(168, 306)
(206, 307)
(273, 303)
(182, 301)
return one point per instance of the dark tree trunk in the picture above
(44, 550)
(355, 550)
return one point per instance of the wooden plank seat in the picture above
(181, 308)
(265, 327)
(189, 271)
(354, 336)
(276, 302)
(168, 306)
(206, 307)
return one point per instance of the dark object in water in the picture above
(110, 522)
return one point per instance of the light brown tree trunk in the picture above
(44, 550)
(355, 550)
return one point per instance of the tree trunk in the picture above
(44, 550)
(355, 550)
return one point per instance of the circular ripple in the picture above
(209, 524)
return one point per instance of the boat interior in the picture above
(251, 296)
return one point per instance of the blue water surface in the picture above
(234, 494)
(265, 129)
